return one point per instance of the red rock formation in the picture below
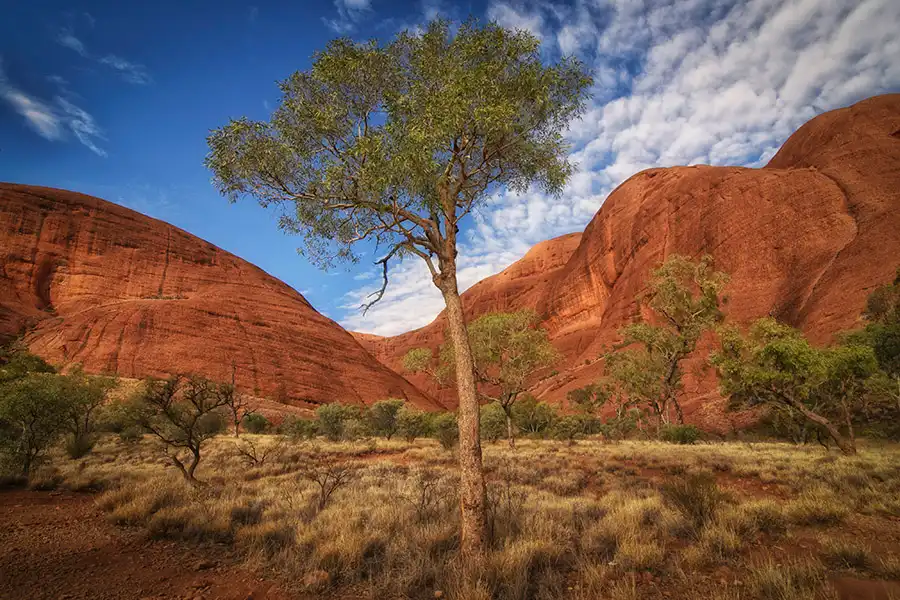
(805, 239)
(119, 292)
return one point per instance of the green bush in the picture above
(331, 420)
(493, 422)
(131, 434)
(413, 423)
(256, 423)
(297, 428)
(679, 434)
(383, 417)
(446, 430)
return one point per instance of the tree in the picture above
(533, 417)
(412, 423)
(331, 418)
(33, 416)
(882, 333)
(775, 364)
(383, 417)
(684, 295)
(507, 349)
(396, 144)
(183, 413)
(85, 396)
(238, 404)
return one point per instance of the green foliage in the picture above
(679, 434)
(38, 407)
(775, 365)
(589, 399)
(17, 362)
(332, 420)
(256, 423)
(533, 417)
(507, 349)
(383, 417)
(297, 428)
(685, 297)
(33, 416)
(572, 427)
(376, 139)
(417, 360)
(446, 430)
(493, 422)
(413, 423)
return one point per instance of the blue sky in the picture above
(115, 99)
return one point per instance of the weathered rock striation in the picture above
(94, 283)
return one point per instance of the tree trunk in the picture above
(509, 430)
(472, 496)
(195, 460)
(846, 446)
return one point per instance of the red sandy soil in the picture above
(58, 546)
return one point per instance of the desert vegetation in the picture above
(630, 519)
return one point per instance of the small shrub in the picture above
(817, 507)
(79, 446)
(695, 495)
(131, 435)
(679, 434)
(256, 423)
(446, 430)
(297, 428)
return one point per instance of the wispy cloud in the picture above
(350, 12)
(67, 38)
(721, 82)
(51, 120)
(130, 72)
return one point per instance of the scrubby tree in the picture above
(183, 413)
(383, 417)
(33, 416)
(85, 396)
(774, 364)
(508, 348)
(645, 369)
(238, 404)
(413, 423)
(396, 144)
(882, 333)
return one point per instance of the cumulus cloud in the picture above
(720, 82)
(349, 14)
(51, 120)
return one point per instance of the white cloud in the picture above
(721, 82)
(50, 120)
(67, 38)
(350, 12)
(131, 72)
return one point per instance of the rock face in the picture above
(805, 239)
(98, 284)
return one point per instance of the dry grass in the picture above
(624, 521)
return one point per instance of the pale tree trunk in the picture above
(472, 496)
(509, 431)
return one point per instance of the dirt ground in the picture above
(57, 545)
